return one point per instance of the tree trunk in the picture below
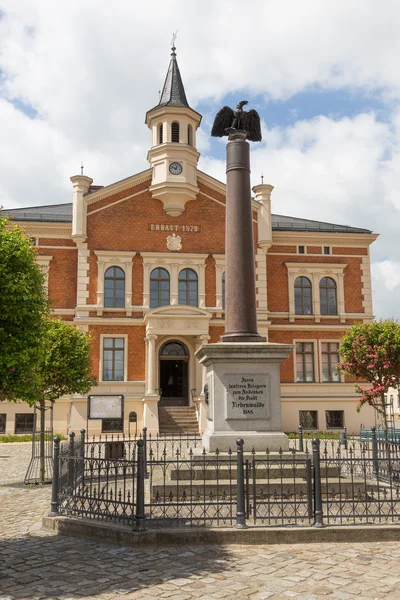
(385, 419)
(42, 409)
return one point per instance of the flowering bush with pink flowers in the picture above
(371, 352)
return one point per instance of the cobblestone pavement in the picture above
(37, 564)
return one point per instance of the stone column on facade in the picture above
(81, 184)
(128, 286)
(151, 363)
(146, 285)
(150, 401)
(315, 296)
(174, 301)
(202, 286)
(219, 269)
(201, 380)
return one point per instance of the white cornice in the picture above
(311, 238)
(119, 186)
(47, 230)
(211, 183)
(310, 267)
(173, 258)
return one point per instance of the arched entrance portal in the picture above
(174, 380)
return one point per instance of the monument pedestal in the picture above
(244, 399)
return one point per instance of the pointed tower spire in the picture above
(173, 155)
(173, 93)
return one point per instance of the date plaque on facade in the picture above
(105, 407)
(247, 396)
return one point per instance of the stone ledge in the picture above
(124, 536)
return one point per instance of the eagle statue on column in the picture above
(227, 121)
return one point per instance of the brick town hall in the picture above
(139, 264)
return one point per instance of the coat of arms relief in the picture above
(174, 242)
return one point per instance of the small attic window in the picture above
(175, 132)
(160, 133)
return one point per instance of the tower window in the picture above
(175, 132)
(190, 135)
(160, 133)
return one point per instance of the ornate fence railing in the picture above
(141, 483)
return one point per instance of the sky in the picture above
(77, 77)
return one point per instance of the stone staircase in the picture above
(177, 420)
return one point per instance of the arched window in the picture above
(159, 288)
(175, 132)
(188, 287)
(174, 349)
(328, 296)
(190, 135)
(223, 290)
(303, 296)
(160, 133)
(114, 288)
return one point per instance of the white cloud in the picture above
(91, 70)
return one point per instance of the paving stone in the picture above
(39, 565)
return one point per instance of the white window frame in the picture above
(341, 376)
(316, 370)
(219, 269)
(315, 272)
(174, 264)
(105, 260)
(104, 336)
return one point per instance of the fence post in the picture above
(140, 516)
(301, 443)
(318, 517)
(55, 481)
(71, 461)
(375, 467)
(82, 455)
(82, 449)
(146, 474)
(240, 501)
(343, 438)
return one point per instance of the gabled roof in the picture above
(173, 93)
(62, 213)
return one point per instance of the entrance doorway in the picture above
(174, 380)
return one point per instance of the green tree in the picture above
(23, 305)
(371, 352)
(62, 367)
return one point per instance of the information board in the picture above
(105, 407)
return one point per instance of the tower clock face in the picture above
(175, 168)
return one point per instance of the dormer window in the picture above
(160, 133)
(175, 132)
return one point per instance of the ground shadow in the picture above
(61, 567)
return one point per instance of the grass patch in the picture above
(309, 435)
(6, 438)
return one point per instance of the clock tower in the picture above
(173, 155)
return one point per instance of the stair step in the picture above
(177, 420)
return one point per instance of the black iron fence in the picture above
(142, 483)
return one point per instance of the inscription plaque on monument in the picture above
(247, 396)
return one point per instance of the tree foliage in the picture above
(23, 306)
(63, 364)
(371, 352)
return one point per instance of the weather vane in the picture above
(82, 168)
(174, 36)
